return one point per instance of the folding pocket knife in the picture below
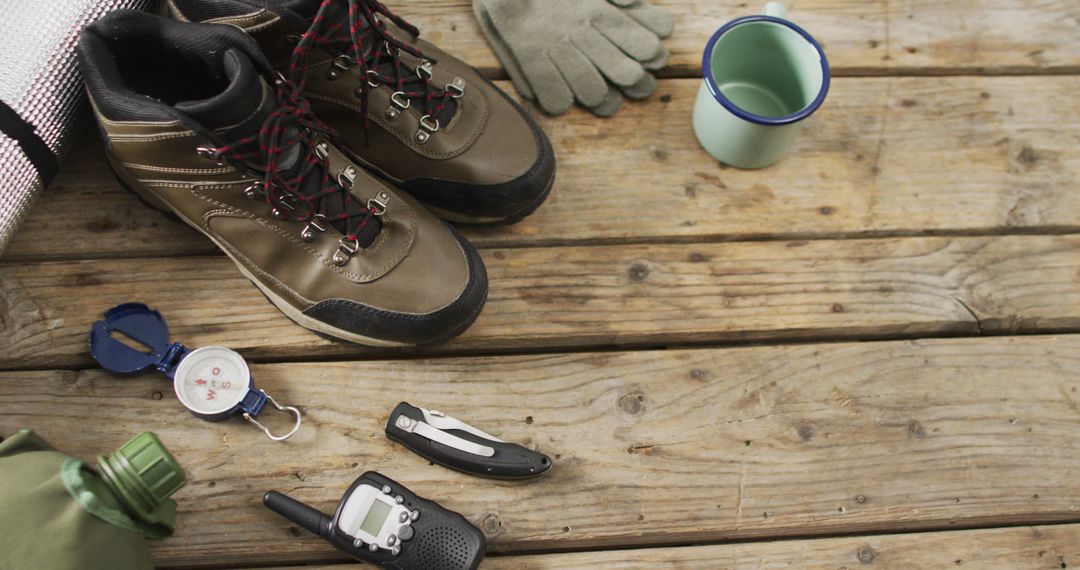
(455, 444)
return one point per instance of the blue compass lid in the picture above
(143, 325)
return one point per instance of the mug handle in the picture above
(775, 9)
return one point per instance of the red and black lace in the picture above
(363, 40)
(304, 191)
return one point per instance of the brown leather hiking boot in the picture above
(198, 124)
(420, 117)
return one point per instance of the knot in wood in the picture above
(639, 271)
(632, 403)
(491, 524)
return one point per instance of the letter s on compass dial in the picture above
(212, 380)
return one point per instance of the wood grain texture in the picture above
(551, 298)
(859, 36)
(663, 448)
(1032, 548)
(896, 156)
(649, 447)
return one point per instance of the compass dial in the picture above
(212, 380)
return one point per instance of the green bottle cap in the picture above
(144, 475)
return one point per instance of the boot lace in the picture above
(363, 40)
(292, 192)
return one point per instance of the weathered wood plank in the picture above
(1038, 547)
(650, 447)
(860, 37)
(894, 156)
(594, 296)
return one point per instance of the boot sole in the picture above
(495, 220)
(282, 305)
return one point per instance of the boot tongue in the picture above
(241, 108)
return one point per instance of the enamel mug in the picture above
(763, 76)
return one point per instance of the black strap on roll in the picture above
(39, 154)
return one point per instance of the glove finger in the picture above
(641, 89)
(618, 67)
(610, 104)
(631, 37)
(658, 20)
(659, 62)
(581, 75)
(502, 50)
(552, 92)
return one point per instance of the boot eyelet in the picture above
(428, 127)
(254, 190)
(379, 204)
(456, 88)
(425, 69)
(346, 177)
(322, 150)
(373, 79)
(210, 154)
(429, 124)
(284, 208)
(399, 102)
(346, 249)
(341, 64)
(314, 227)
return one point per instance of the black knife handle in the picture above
(511, 461)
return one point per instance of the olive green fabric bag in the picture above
(57, 512)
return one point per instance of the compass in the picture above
(213, 382)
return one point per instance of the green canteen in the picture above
(60, 513)
(763, 76)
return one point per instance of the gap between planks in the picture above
(499, 74)
(1048, 547)
(1069, 230)
(867, 37)
(883, 158)
(612, 296)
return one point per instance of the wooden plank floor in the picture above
(865, 356)
(879, 160)
(1034, 548)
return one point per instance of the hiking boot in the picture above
(197, 123)
(418, 116)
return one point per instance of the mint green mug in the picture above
(763, 76)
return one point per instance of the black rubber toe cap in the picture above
(503, 203)
(439, 326)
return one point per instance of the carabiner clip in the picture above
(269, 434)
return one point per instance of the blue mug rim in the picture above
(710, 81)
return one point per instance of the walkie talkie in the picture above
(381, 522)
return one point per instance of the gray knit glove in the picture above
(592, 51)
